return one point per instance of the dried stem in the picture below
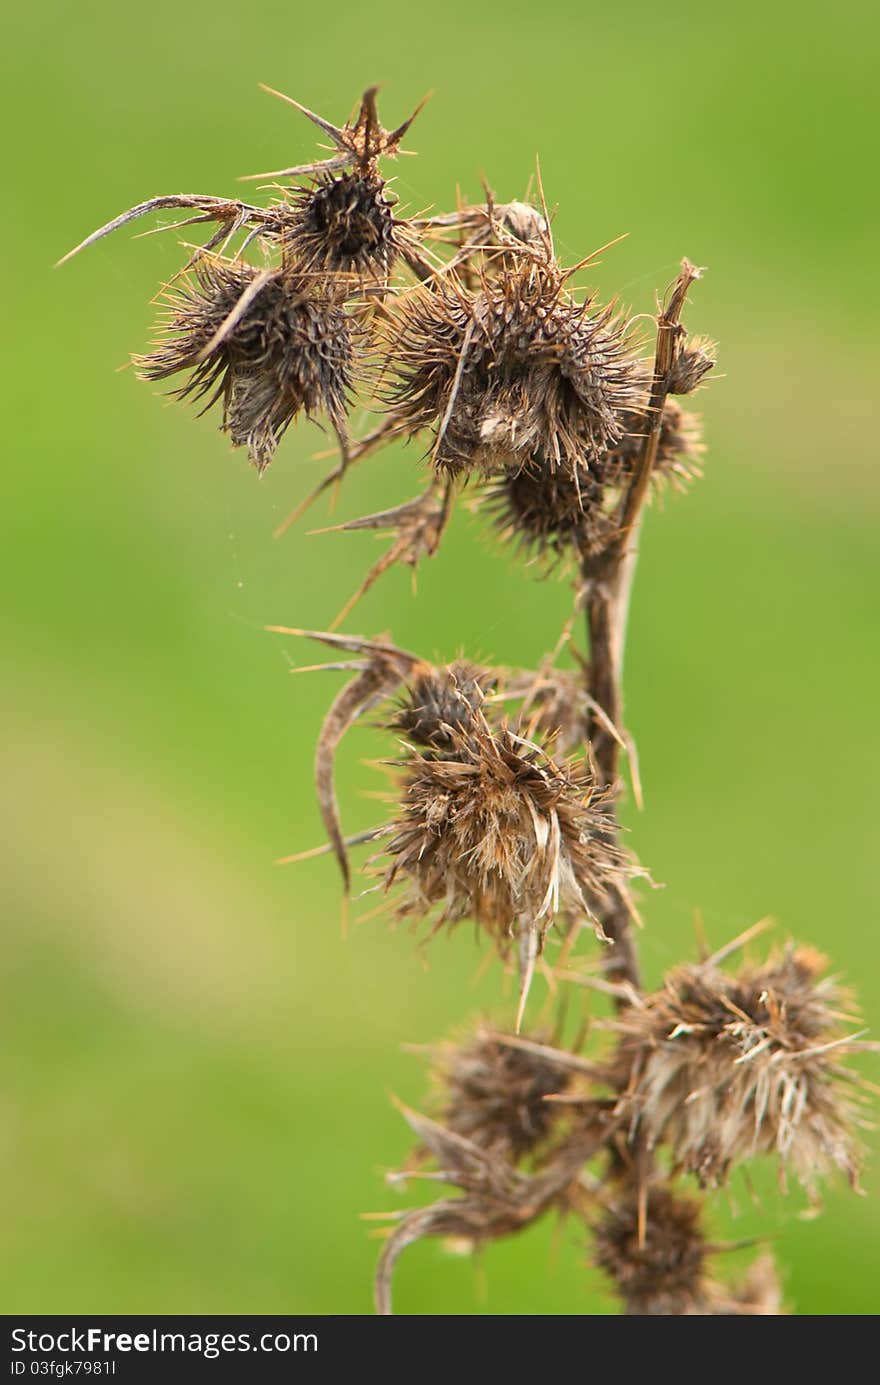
(607, 583)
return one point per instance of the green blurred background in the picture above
(196, 1066)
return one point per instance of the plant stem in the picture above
(607, 580)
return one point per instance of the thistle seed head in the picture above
(264, 343)
(500, 833)
(494, 1092)
(663, 1273)
(511, 373)
(679, 448)
(691, 365)
(344, 224)
(546, 512)
(722, 1067)
(440, 708)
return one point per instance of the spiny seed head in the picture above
(553, 513)
(265, 344)
(679, 447)
(343, 225)
(512, 372)
(721, 1067)
(665, 1274)
(692, 363)
(546, 512)
(493, 1092)
(499, 832)
(440, 706)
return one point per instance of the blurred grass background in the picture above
(195, 1067)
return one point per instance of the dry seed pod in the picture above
(513, 372)
(720, 1067)
(264, 343)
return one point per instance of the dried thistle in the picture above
(658, 1260)
(679, 447)
(557, 515)
(495, 1091)
(658, 1268)
(511, 373)
(548, 513)
(720, 1067)
(441, 706)
(263, 343)
(505, 782)
(691, 365)
(343, 221)
(501, 833)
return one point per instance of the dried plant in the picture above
(464, 331)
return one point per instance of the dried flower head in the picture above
(659, 1268)
(548, 513)
(343, 225)
(511, 373)
(679, 447)
(658, 1259)
(721, 1067)
(499, 832)
(494, 1091)
(690, 366)
(343, 222)
(554, 514)
(264, 343)
(440, 708)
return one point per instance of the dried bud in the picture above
(663, 1271)
(494, 1089)
(513, 372)
(263, 342)
(439, 709)
(343, 225)
(690, 365)
(547, 511)
(721, 1067)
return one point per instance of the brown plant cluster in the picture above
(462, 332)
(721, 1067)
